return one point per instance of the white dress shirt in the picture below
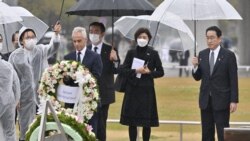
(82, 53)
(99, 48)
(216, 53)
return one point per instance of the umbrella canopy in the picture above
(164, 28)
(31, 21)
(200, 10)
(114, 8)
(7, 16)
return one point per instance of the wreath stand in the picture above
(61, 136)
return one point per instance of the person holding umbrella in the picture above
(216, 67)
(29, 61)
(110, 62)
(139, 108)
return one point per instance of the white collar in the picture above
(216, 50)
(82, 52)
(99, 46)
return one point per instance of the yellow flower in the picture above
(74, 64)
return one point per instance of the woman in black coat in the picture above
(139, 106)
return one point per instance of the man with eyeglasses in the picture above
(29, 61)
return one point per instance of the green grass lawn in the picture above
(177, 99)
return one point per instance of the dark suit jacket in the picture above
(91, 60)
(106, 81)
(222, 84)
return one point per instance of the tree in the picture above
(244, 42)
(49, 11)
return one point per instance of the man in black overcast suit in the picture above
(216, 67)
(88, 58)
(110, 62)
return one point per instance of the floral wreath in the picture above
(52, 77)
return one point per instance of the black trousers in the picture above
(210, 119)
(102, 122)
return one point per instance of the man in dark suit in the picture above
(110, 62)
(88, 58)
(216, 67)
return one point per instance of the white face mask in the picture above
(142, 42)
(94, 38)
(30, 43)
(1, 46)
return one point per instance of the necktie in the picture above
(79, 56)
(95, 49)
(211, 62)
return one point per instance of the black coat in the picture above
(106, 80)
(223, 83)
(139, 106)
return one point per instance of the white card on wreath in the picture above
(67, 94)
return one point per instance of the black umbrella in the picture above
(113, 8)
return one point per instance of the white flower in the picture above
(53, 76)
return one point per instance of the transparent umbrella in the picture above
(164, 28)
(28, 20)
(200, 10)
(7, 16)
(31, 21)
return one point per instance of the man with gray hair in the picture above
(88, 58)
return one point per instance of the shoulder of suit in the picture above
(88, 51)
(151, 49)
(106, 46)
(204, 51)
(89, 46)
(226, 50)
(69, 54)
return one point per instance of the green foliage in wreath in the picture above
(80, 128)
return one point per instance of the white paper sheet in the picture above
(137, 63)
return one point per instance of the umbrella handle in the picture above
(6, 40)
(195, 38)
(59, 18)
